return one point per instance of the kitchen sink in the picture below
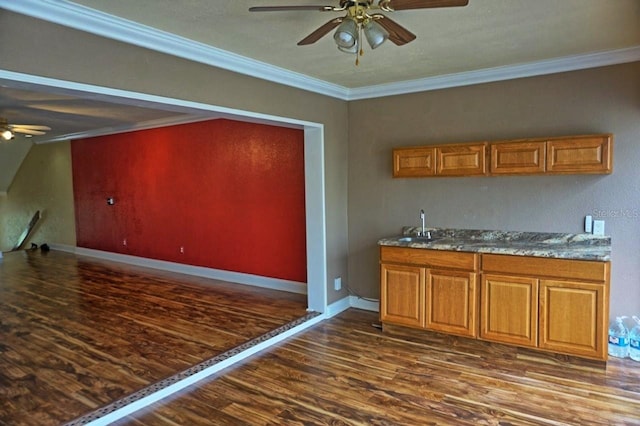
(417, 239)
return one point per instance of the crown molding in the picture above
(82, 18)
(509, 72)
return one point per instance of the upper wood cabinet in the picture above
(509, 158)
(445, 160)
(591, 154)
(461, 160)
(414, 162)
(588, 154)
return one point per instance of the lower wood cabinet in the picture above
(554, 305)
(509, 309)
(401, 294)
(429, 289)
(558, 305)
(451, 302)
(573, 317)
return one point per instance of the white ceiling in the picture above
(485, 34)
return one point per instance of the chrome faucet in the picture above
(424, 232)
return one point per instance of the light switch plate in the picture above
(598, 227)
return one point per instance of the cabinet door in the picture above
(414, 162)
(402, 295)
(518, 158)
(451, 302)
(461, 160)
(509, 309)
(589, 154)
(572, 318)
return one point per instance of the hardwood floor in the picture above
(77, 333)
(345, 372)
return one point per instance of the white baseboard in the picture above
(200, 271)
(367, 305)
(351, 302)
(336, 307)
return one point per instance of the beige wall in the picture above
(592, 101)
(67, 54)
(43, 183)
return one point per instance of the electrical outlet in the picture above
(588, 224)
(337, 284)
(598, 227)
(182, 249)
(124, 242)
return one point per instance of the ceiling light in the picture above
(346, 35)
(376, 35)
(353, 49)
(7, 135)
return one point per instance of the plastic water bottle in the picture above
(634, 340)
(618, 339)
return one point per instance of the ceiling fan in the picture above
(8, 131)
(359, 19)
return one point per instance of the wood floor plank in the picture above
(77, 333)
(343, 371)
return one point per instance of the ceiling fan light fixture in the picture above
(375, 34)
(346, 35)
(353, 49)
(7, 135)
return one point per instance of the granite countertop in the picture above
(539, 244)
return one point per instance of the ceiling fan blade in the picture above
(424, 4)
(27, 131)
(320, 32)
(29, 126)
(397, 33)
(285, 8)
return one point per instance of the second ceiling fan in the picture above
(360, 18)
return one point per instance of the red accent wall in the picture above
(230, 193)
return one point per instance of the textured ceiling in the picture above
(484, 34)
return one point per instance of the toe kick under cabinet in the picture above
(555, 305)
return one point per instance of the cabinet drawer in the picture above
(545, 267)
(430, 258)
